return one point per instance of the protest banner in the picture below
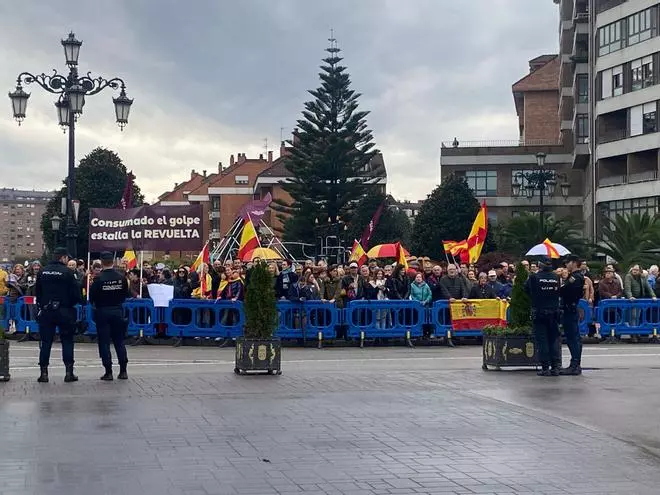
(150, 228)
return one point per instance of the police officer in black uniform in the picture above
(57, 294)
(543, 289)
(107, 294)
(571, 293)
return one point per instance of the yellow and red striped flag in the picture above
(477, 236)
(357, 253)
(401, 255)
(202, 257)
(552, 250)
(130, 259)
(249, 239)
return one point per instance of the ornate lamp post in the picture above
(72, 90)
(544, 181)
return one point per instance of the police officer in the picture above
(543, 289)
(571, 293)
(107, 294)
(57, 294)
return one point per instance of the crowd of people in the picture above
(423, 281)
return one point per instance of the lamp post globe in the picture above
(19, 99)
(71, 50)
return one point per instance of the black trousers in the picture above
(111, 327)
(546, 334)
(49, 320)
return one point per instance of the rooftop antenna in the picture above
(266, 144)
(281, 134)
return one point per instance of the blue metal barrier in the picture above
(385, 319)
(585, 317)
(141, 316)
(308, 320)
(204, 318)
(440, 318)
(25, 315)
(624, 317)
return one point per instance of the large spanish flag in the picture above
(249, 239)
(474, 314)
(202, 257)
(357, 253)
(478, 234)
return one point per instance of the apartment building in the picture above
(20, 223)
(492, 167)
(625, 65)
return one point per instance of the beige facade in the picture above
(20, 223)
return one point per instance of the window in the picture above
(629, 206)
(241, 179)
(617, 80)
(583, 88)
(215, 203)
(639, 27)
(649, 118)
(582, 128)
(482, 182)
(609, 38)
(492, 218)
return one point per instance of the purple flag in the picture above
(369, 230)
(255, 209)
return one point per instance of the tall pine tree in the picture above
(331, 158)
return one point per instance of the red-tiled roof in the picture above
(545, 78)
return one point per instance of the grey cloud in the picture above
(211, 78)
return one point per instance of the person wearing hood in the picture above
(420, 290)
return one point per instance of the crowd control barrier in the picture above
(319, 320)
(203, 318)
(624, 317)
(308, 320)
(385, 319)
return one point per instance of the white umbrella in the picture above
(550, 249)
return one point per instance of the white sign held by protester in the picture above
(161, 294)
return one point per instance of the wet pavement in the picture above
(339, 421)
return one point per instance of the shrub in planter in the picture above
(258, 350)
(513, 344)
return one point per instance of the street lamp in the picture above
(72, 90)
(55, 223)
(544, 181)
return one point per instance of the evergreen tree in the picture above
(394, 224)
(447, 215)
(260, 305)
(100, 181)
(331, 158)
(520, 308)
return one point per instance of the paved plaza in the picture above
(338, 421)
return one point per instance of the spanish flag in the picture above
(478, 234)
(401, 255)
(455, 248)
(552, 250)
(202, 257)
(357, 253)
(130, 259)
(249, 239)
(474, 314)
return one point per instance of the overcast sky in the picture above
(216, 77)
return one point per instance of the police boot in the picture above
(573, 370)
(43, 378)
(108, 374)
(123, 375)
(69, 376)
(555, 369)
(544, 371)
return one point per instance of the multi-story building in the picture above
(625, 68)
(491, 167)
(20, 223)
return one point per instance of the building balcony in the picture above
(627, 190)
(603, 5)
(620, 143)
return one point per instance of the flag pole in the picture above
(141, 265)
(89, 273)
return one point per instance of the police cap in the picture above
(59, 252)
(107, 256)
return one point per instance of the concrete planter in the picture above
(511, 351)
(4, 361)
(258, 355)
